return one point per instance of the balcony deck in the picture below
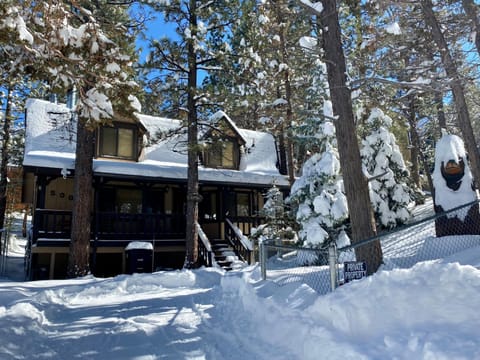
(108, 228)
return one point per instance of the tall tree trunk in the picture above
(288, 126)
(442, 119)
(356, 186)
(7, 122)
(288, 97)
(193, 196)
(417, 155)
(414, 151)
(463, 116)
(413, 135)
(78, 261)
(471, 11)
(282, 152)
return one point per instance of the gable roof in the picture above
(219, 116)
(50, 143)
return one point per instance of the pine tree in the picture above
(65, 46)
(267, 73)
(355, 183)
(457, 87)
(383, 161)
(277, 223)
(201, 27)
(318, 197)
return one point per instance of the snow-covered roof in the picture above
(50, 143)
(220, 115)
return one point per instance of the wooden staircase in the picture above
(224, 254)
(232, 253)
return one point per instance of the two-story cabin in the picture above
(140, 187)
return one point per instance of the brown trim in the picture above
(116, 126)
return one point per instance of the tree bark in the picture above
(287, 126)
(463, 116)
(289, 112)
(415, 146)
(78, 261)
(7, 122)
(417, 155)
(442, 120)
(193, 196)
(356, 186)
(282, 153)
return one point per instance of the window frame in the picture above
(117, 127)
(215, 160)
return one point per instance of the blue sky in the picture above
(156, 29)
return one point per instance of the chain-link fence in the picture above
(443, 236)
(289, 264)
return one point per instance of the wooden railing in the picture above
(246, 223)
(205, 252)
(52, 224)
(240, 243)
(56, 224)
(110, 225)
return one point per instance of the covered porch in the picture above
(126, 211)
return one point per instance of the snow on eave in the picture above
(47, 147)
(219, 115)
(158, 123)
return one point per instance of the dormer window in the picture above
(118, 141)
(223, 153)
(224, 142)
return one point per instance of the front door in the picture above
(209, 213)
(179, 208)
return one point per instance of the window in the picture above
(121, 200)
(223, 153)
(129, 201)
(243, 204)
(118, 141)
(238, 204)
(208, 206)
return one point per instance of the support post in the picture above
(332, 262)
(263, 260)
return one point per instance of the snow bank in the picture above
(427, 312)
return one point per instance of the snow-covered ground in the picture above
(427, 312)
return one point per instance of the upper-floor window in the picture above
(223, 153)
(118, 141)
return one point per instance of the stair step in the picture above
(220, 245)
(225, 256)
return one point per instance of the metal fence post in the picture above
(263, 260)
(332, 263)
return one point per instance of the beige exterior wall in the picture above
(59, 194)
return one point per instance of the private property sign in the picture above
(354, 270)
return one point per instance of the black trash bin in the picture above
(139, 257)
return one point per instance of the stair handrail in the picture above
(205, 248)
(241, 245)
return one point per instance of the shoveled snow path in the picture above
(168, 315)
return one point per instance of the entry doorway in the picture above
(209, 213)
